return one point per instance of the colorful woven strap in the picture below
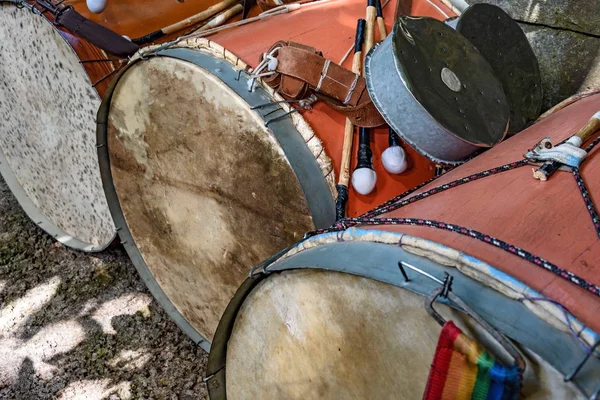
(461, 370)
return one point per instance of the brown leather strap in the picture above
(98, 35)
(300, 67)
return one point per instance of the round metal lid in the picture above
(450, 78)
(504, 45)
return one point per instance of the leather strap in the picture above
(301, 68)
(97, 35)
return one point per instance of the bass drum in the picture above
(191, 171)
(47, 122)
(338, 321)
(522, 253)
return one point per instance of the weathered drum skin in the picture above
(307, 26)
(352, 328)
(191, 173)
(47, 124)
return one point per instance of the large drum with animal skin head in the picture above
(191, 170)
(334, 316)
(48, 106)
(193, 163)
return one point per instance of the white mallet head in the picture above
(364, 180)
(96, 6)
(394, 160)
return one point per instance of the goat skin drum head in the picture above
(204, 187)
(47, 132)
(314, 334)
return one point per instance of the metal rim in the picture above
(32, 211)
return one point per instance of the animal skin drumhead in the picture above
(313, 334)
(203, 186)
(47, 132)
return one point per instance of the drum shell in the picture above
(136, 18)
(396, 103)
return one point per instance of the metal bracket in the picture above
(446, 292)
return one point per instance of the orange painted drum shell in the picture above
(136, 18)
(548, 219)
(333, 36)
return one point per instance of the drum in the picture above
(190, 170)
(47, 121)
(307, 333)
(522, 254)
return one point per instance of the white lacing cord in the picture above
(269, 62)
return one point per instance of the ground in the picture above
(83, 326)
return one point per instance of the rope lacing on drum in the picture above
(371, 218)
(269, 61)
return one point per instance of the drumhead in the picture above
(308, 334)
(202, 187)
(47, 132)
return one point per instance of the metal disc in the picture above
(448, 76)
(504, 45)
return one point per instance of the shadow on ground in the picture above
(81, 326)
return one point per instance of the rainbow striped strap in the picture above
(461, 370)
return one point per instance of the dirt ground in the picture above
(81, 326)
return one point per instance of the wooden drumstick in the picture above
(380, 20)
(221, 18)
(342, 186)
(585, 133)
(370, 26)
(194, 19)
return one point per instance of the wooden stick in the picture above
(370, 26)
(221, 18)
(549, 168)
(380, 20)
(344, 179)
(194, 19)
(567, 102)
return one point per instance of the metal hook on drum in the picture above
(446, 292)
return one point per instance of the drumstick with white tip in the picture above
(549, 168)
(364, 177)
(194, 19)
(342, 186)
(394, 157)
